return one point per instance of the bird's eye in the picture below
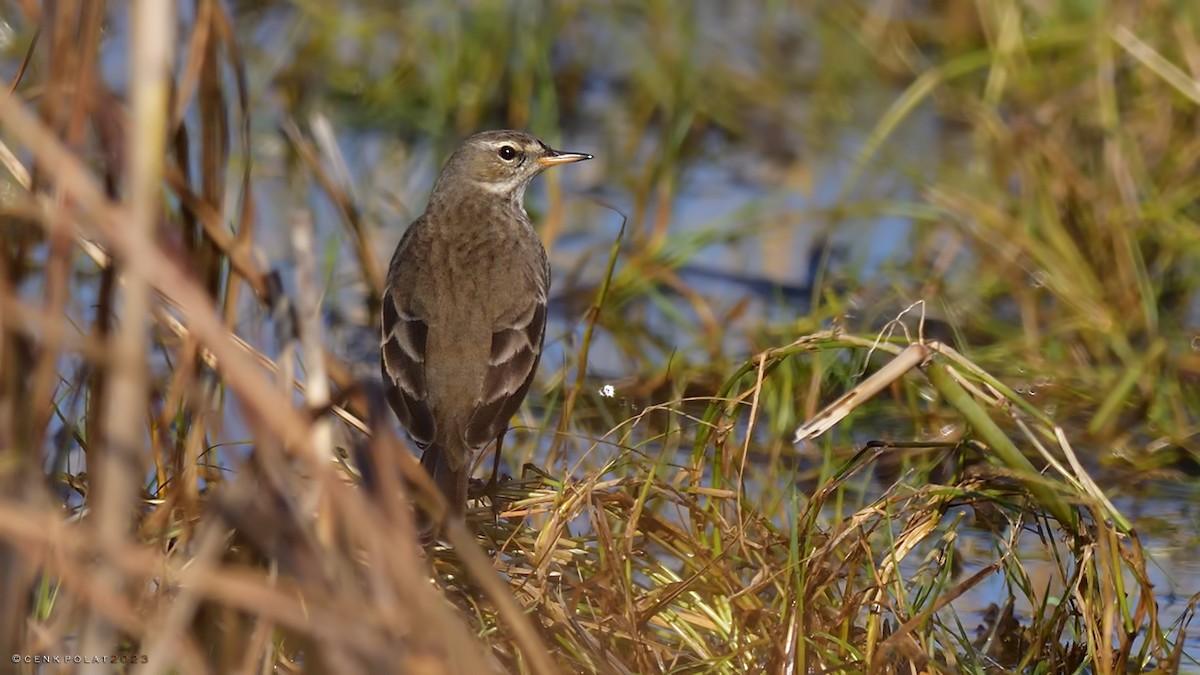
(507, 153)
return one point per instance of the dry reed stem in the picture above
(117, 462)
(308, 310)
(275, 413)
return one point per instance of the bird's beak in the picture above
(560, 157)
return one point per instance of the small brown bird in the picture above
(464, 311)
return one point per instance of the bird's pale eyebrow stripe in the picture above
(524, 146)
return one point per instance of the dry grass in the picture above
(172, 495)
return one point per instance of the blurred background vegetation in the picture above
(783, 181)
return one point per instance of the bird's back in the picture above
(468, 270)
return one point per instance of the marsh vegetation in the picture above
(956, 245)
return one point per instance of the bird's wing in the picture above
(516, 348)
(403, 363)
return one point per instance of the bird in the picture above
(463, 314)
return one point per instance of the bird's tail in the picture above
(452, 483)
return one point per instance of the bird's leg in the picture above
(493, 486)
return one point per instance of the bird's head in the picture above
(500, 163)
